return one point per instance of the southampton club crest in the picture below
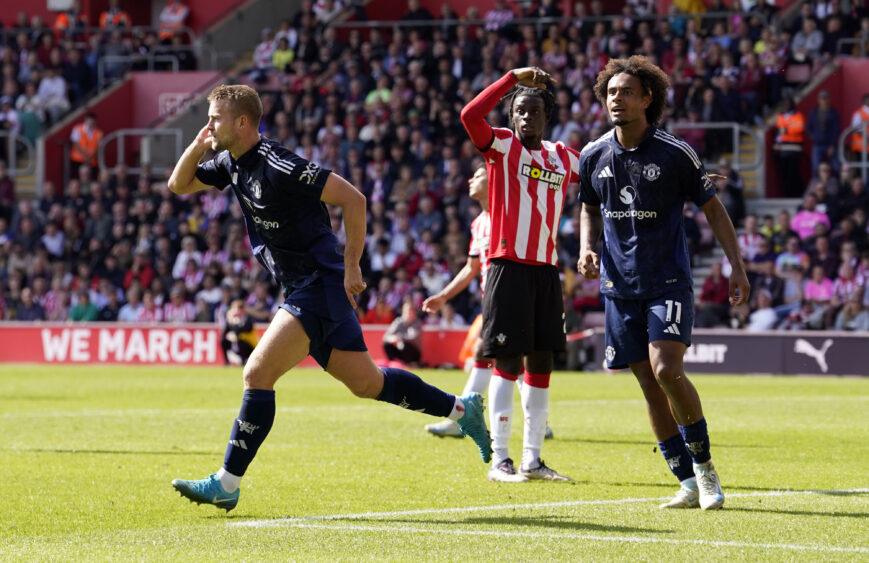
(256, 189)
(651, 172)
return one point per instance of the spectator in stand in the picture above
(854, 196)
(327, 10)
(178, 310)
(750, 239)
(110, 310)
(263, 56)
(28, 309)
(830, 181)
(807, 42)
(83, 310)
(790, 124)
(115, 17)
(764, 317)
(85, 141)
(823, 128)
(7, 193)
(402, 341)
(380, 313)
(131, 311)
(499, 18)
(852, 316)
(172, 19)
(790, 266)
(714, 303)
(822, 255)
(765, 278)
(805, 220)
(818, 292)
(417, 13)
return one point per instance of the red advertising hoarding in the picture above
(165, 344)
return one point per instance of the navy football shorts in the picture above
(327, 316)
(631, 324)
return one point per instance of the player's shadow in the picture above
(860, 515)
(549, 522)
(105, 452)
(670, 485)
(648, 443)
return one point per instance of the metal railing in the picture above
(737, 130)
(125, 61)
(9, 146)
(851, 41)
(147, 147)
(572, 20)
(862, 160)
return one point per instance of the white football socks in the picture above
(535, 404)
(228, 481)
(500, 416)
(478, 381)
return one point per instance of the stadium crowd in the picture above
(382, 109)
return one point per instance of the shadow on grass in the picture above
(861, 515)
(648, 443)
(103, 452)
(548, 522)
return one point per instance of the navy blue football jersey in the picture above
(279, 193)
(641, 193)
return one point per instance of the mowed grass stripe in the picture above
(367, 405)
(586, 537)
(525, 506)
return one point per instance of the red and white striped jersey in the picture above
(749, 244)
(480, 228)
(154, 315)
(526, 197)
(184, 312)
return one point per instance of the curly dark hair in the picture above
(654, 80)
(544, 94)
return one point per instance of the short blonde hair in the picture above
(243, 100)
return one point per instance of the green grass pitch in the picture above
(88, 453)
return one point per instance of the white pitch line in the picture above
(589, 537)
(310, 522)
(527, 506)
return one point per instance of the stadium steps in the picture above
(758, 206)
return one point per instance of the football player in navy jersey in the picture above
(633, 183)
(283, 199)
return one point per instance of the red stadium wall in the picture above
(112, 111)
(139, 102)
(846, 85)
(165, 344)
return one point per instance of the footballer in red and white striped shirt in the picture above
(522, 304)
(526, 196)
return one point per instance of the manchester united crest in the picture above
(651, 171)
(256, 189)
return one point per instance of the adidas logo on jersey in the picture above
(606, 173)
(673, 329)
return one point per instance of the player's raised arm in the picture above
(724, 232)
(463, 279)
(340, 192)
(183, 178)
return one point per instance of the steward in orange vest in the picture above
(85, 137)
(860, 116)
(114, 17)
